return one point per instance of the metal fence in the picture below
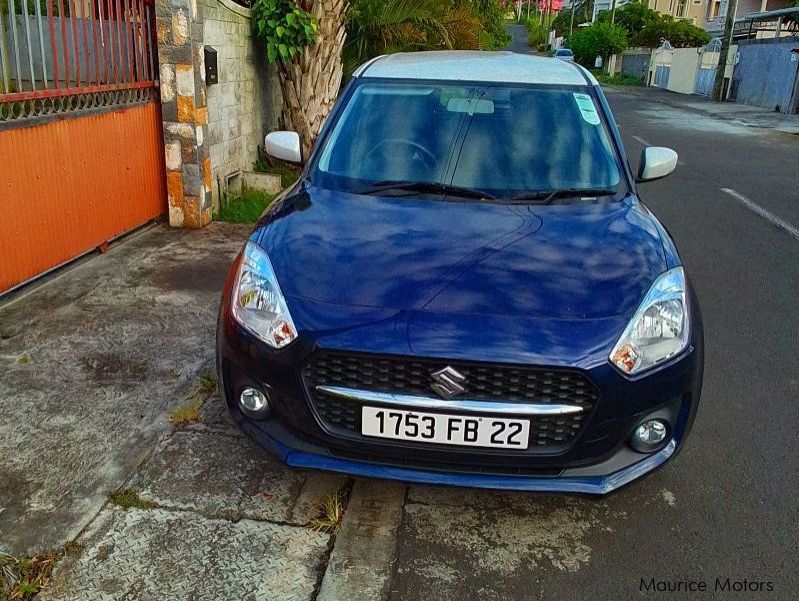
(65, 55)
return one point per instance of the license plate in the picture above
(444, 428)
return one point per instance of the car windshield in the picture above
(503, 141)
(563, 53)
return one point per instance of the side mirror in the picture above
(284, 145)
(656, 162)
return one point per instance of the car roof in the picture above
(477, 65)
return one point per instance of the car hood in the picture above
(566, 261)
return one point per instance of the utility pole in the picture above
(571, 25)
(613, 12)
(726, 41)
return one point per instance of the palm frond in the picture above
(382, 26)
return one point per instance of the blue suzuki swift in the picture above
(464, 288)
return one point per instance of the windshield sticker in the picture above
(587, 108)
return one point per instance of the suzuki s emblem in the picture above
(448, 382)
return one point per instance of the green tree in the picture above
(600, 39)
(647, 27)
(583, 10)
(633, 16)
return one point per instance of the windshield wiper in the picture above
(413, 186)
(547, 196)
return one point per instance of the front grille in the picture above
(484, 381)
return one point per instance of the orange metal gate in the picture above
(81, 146)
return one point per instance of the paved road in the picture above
(726, 507)
(519, 42)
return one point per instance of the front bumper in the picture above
(597, 462)
(599, 479)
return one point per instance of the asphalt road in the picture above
(736, 482)
(726, 507)
(518, 43)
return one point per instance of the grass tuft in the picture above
(23, 578)
(128, 498)
(246, 207)
(331, 510)
(207, 385)
(186, 414)
(189, 412)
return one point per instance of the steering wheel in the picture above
(423, 155)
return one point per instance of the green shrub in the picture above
(536, 31)
(600, 39)
(620, 79)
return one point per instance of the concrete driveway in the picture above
(91, 365)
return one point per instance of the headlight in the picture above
(258, 304)
(659, 328)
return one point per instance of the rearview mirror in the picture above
(284, 145)
(656, 162)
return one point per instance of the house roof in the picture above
(771, 15)
(475, 65)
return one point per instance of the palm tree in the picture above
(311, 80)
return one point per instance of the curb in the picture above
(361, 563)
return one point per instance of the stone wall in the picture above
(184, 112)
(246, 102)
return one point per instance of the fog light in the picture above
(649, 436)
(254, 402)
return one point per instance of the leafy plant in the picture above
(600, 39)
(283, 27)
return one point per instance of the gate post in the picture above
(184, 111)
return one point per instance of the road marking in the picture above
(756, 208)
